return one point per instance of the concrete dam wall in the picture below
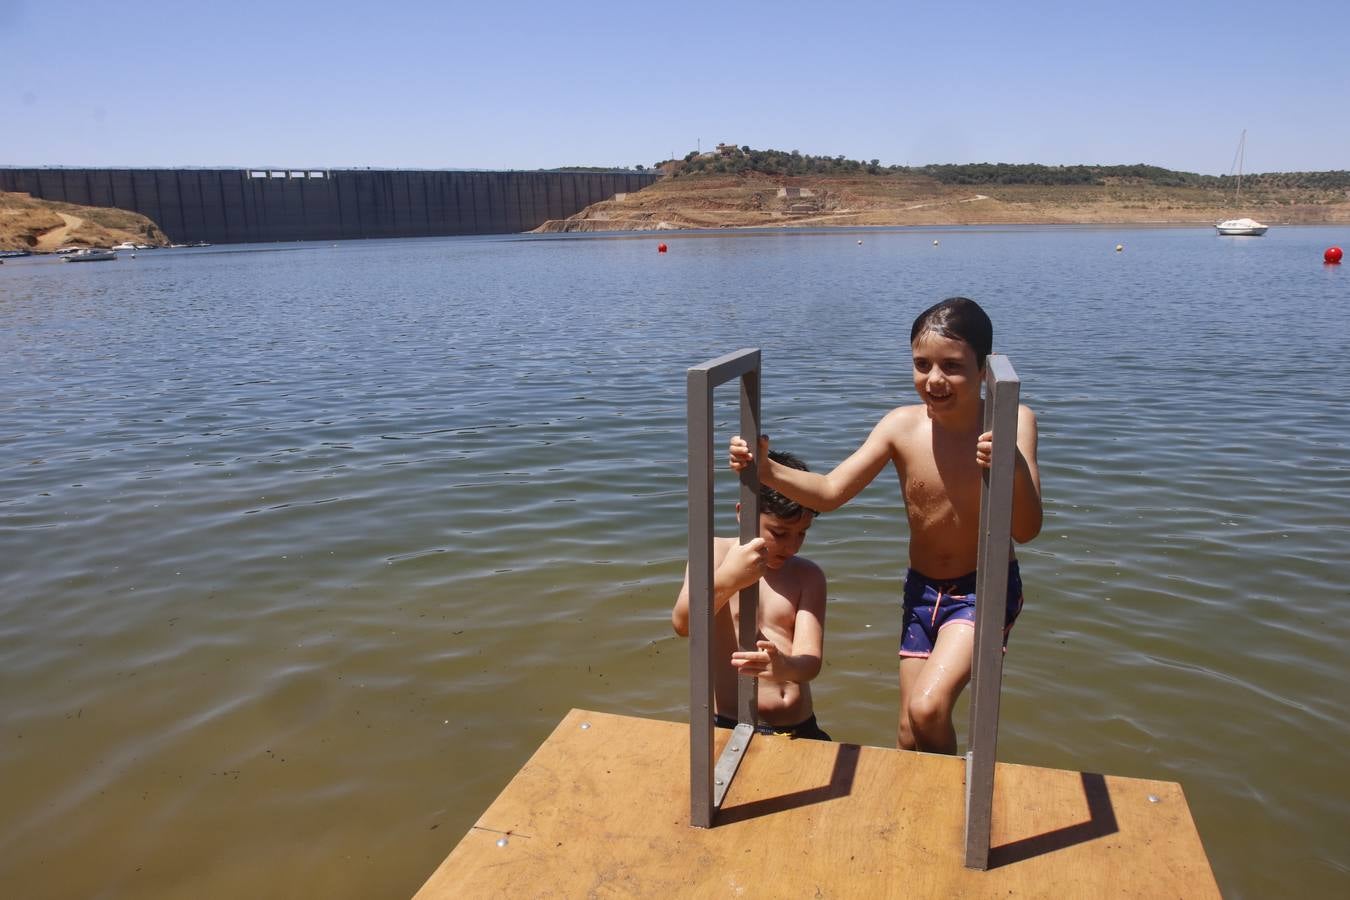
(225, 206)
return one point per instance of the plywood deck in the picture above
(603, 811)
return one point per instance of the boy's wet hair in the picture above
(960, 319)
(775, 504)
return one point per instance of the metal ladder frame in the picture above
(708, 782)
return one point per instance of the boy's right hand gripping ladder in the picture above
(991, 592)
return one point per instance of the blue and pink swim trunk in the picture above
(931, 605)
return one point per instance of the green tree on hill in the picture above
(789, 163)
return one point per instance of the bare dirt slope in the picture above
(44, 225)
(748, 201)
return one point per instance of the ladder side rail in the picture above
(1000, 416)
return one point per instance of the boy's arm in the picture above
(813, 490)
(802, 660)
(1027, 512)
(735, 566)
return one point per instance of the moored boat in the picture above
(1244, 226)
(90, 254)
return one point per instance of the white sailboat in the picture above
(1243, 227)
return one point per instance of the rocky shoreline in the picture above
(45, 226)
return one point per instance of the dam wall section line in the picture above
(230, 206)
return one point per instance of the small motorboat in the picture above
(89, 254)
(125, 245)
(1245, 227)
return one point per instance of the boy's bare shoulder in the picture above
(905, 413)
(805, 572)
(902, 420)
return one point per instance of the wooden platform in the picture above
(602, 810)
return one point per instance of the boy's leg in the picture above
(910, 667)
(932, 696)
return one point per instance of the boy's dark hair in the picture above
(774, 503)
(960, 319)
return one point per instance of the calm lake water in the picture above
(307, 548)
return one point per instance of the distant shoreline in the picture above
(807, 231)
(761, 201)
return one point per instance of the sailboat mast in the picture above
(1242, 158)
(1238, 159)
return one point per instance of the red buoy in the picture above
(1332, 257)
(661, 248)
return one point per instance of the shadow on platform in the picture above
(839, 785)
(1100, 823)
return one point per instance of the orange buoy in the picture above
(1332, 257)
(661, 248)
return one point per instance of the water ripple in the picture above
(292, 534)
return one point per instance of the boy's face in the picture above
(782, 537)
(945, 374)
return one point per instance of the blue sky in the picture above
(536, 85)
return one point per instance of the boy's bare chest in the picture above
(776, 611)
(942, 485)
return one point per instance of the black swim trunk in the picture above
(807, 730)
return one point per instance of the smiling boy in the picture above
(791, 616)
(938, 448)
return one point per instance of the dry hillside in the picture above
(757, 200)
(44, 225)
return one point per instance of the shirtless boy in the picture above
(791, 616)
(938, 448)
